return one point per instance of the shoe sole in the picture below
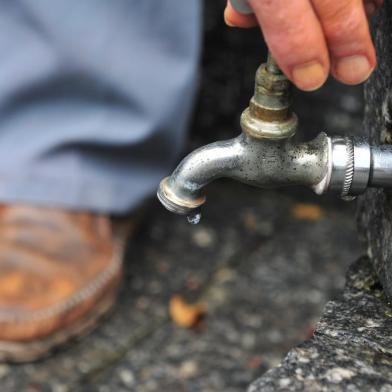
(20, 352)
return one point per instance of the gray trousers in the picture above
(94, 98)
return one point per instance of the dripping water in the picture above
(194, 218)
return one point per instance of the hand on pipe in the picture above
(311, 38)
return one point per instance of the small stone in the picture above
(59, 388)
(84, 367)
(371, 323)
(127, 377)
(248, 340)
(4, 370)
(204, 238)
(284, 382)
(217, 295)
(299, 374)
(225, 275)
(303, 360)
(338, 374)
(188, 369)
(274, 336)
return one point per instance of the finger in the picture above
(347, 33)
(295, 39)
(235, 19)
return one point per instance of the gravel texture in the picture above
(263, 274)
(352, 346)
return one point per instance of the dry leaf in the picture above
(312, 212)
(184, 314)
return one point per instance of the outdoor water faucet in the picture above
(265, 155)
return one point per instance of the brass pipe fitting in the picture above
(269, 114)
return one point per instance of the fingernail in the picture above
(225, 16)
(353, 69)
(309, 77)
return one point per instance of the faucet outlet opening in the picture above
(179, 205)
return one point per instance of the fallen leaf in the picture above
(184, 314)
(311, 212)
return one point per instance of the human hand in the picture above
(311, 38)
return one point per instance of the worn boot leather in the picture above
(59, 273)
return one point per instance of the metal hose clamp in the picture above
(351, 163)
(349, 173)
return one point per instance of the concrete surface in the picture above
(352, 346)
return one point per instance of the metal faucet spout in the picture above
(258, 162)
(181, 192)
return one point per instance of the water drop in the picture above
(194, 218)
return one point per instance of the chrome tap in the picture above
(265, 154)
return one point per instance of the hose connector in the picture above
(355, 165)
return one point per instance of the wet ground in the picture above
(262, 263)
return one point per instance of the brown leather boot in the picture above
(59, 273)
